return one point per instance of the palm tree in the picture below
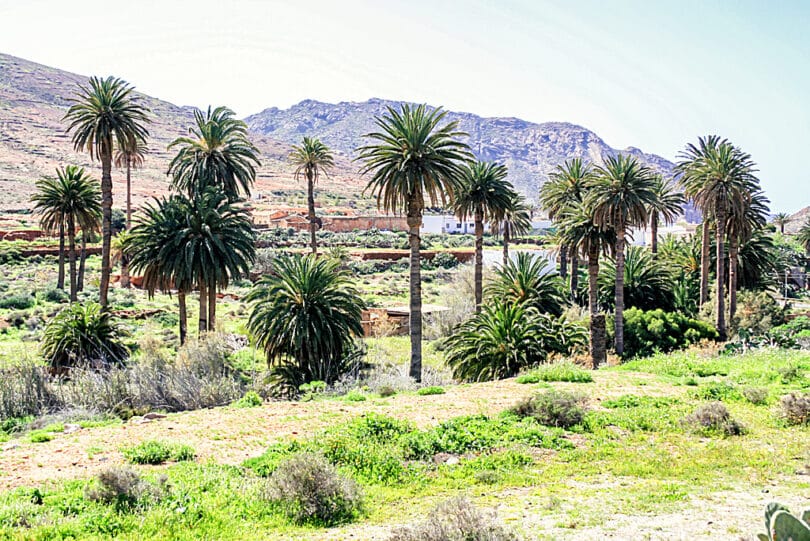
(559, 195)
(311, 159)
(72, 199)
(306, 316)
(740, 226)
(529, 280)
(781, 219)
(579, 230)
(516, 220)
(103, 114)
(152, 247)
(218, 154)
(214, 243)
(619, 196)
(129, 158)
(484, 194)
(668, 205)
(714, 175)
(82, 334)
(803, 236)
(413, 159)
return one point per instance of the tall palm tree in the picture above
(559, 195)
(619, 196)
(129, 158)
(781, 219)
(668, 205)
(714, 175)
(72, 199)
(740, 227)
(105, 113)
(218, 153)
(413, 159)
(529, 280)
(311, 158)
(803, 236)
(152, 247)
(580, 231)
(516, 220)
(484, 194)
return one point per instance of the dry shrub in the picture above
(120, 486)
(310, 491)
(713, 418)
(755, 395)
(456, 520)
(553, 408)
(795, 408)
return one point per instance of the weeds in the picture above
(456, 520)
(795, 408)
(158, 452)
(713, 418)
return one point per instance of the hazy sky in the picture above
(650, 74)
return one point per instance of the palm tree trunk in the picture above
(597, 325)
(654, 231)
(106, 221)
(60, 277)
(705, 261)
(212, 307)
(71, 234)
(563, 261)
(183, 315)
(619, 295)
(415, 326)
(479, 259)
(124, 258)
(313, 225)
(505, 244)
(203, 322)
(720, 271)
(733, 256)
(574, 272)
(82, 259)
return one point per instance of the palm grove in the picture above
(306, 314)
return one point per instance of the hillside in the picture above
(797, 220)
(530, 150)
(33, 100)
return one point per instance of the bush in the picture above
(713, 418)
(795, 408)
(250, 400)
(83, 335)
(309, 490)
(455, 520)
(755, 395)
(717, 390)
(553, 408)
(433, 389)
(20, 301)
(56, 295)
(646, 333)
(444, 260)
(504, 339)
(120, 486)
(157, 452)
(560, 371)
(793, 334)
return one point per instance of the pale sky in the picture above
(650, 74)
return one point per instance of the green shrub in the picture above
(157, 452)
(560, 371)
(717, 390)
(444, 260)
(56, 295)
(20, 301)
(553, 408)
(646, 333)
(122, 487)
(792, 334)
(755, 395)
(433, 389)
(355, 396)
(369, 460)
(40, 436)
(713, 418)
(310, 491)
(250, 400)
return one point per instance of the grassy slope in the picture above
(632, 472)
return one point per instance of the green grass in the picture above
(560, 371)
(157, 452)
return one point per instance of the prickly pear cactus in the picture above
(782, 526)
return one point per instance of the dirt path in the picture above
(230, 435)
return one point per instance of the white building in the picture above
(447, 223)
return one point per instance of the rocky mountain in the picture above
(34, 99)
(529, 150)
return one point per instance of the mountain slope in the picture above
(33, 142)
(530, 150)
